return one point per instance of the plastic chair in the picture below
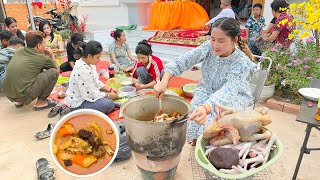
(259, 79)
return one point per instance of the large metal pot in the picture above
(155, 140)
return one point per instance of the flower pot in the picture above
(267, 92)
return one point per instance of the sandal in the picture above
(50, 105)
(124, 151)
(44, 170)
(44, 134)
(64, 111)
(55, 111)
(19, 105)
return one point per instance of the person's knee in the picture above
(141, 70)
(53, 73)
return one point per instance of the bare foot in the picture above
(41, 103)
(193, 142)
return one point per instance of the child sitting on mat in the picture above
(148, 69)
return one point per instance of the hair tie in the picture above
(112, 33)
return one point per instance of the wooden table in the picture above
(306, 115)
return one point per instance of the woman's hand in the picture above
(114, 91)
(258, 39)
(122, 69)
(113, 95)
(160, 88)
(199, 115)
(129, 69)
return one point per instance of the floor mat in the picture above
(188, 38)
(174, 82)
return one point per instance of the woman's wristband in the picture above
(110, 90)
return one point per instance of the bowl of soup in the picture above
(84, 143)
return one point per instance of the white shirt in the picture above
(224, 13)
(84, 85)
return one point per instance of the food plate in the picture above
(310, 93)
(189, 88)
(120, 100)
(84, 143)
(126, 81)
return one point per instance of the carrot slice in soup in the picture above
(66, 130)
(84, 161)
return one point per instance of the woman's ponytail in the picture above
(80, 50)
(244, 47)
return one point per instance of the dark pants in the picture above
(41, 88)
(241, 6)
(144, 76)
(104, 105)
(65, 67)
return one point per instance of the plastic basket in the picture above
(204, 162)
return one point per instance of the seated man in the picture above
(71, 46)
(31, 74)
(4, 37)
(6, 55)
(226, 11)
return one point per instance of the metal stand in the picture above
(304, 149)
(33, 27)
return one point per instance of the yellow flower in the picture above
(282, 9)
(304, 35)
(293, 6)
(290, 36)
(297, 31)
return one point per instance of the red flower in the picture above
(39, 4)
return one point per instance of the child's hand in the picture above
(137, 83)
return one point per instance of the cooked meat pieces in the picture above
(67, 162)
(165, 117)
(84, 134)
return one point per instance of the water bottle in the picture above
(111, 72)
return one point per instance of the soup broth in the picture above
(107, 135)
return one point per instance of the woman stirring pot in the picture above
(226, 71)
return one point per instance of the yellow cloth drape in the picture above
(177, 14)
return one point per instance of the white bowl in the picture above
(66, 118)
(310, 93)
(127, 81)
(127, 91)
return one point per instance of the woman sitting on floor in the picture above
(119, 51)
(12, 25)
(85, 89)
(52, 40)
(148, 69)
(71, 47)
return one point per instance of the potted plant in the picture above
(292, 70)
(65, 36)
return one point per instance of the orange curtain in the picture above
(177, 14)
